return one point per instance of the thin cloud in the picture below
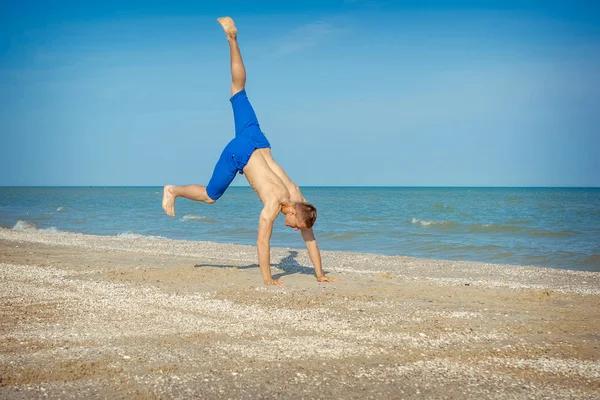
(306, 36)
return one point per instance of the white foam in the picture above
(24, 226)
(59, 209)
(133, 235)
(425, 222)
(30, 226)
(194, 217)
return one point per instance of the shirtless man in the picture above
(250, 153)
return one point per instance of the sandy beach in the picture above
(107, 317)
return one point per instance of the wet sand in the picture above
(87, 316)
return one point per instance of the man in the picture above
(250, 153)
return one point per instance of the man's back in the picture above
(269, 180)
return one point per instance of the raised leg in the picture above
(238, 72)
(191, 192)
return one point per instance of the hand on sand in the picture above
(325, 279)
(273, 282)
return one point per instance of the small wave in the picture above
(514, 199)
(59, 209)
(493, 228)
(487, 247)
(194, 217)
(133, 235)
(558, 234)
(455, 248)
(426, 223)
(442, 207)
(552, 206)
(24, 226)
(41, 218)
(224, 232)
(30, 226)
(238, 231)
(343, 236)
(518, 221)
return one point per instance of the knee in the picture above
(208, 199)
(236, 88)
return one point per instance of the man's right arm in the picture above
(263, 242)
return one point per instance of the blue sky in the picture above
(373, 92)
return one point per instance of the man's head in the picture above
(302, 216)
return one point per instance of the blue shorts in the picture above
(235, 156)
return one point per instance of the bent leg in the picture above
(223, 174)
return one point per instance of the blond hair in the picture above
(306, 213)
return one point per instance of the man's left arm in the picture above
(314, 254)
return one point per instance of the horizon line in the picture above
(323, 186)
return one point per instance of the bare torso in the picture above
(269, 180)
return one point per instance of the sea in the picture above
(547, 227)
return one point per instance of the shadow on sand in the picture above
(288, 265)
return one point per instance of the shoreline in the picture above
(443, 272)
(499, 226)
(25, 226)
(106, 316)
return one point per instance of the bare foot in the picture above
(228, 26)
(168, 202)
(273, 282)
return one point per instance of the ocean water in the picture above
(549, 227)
